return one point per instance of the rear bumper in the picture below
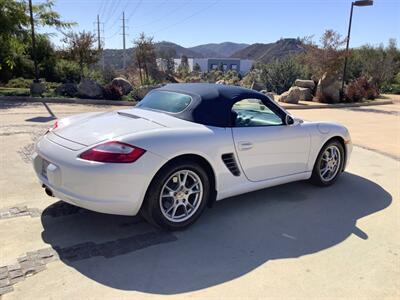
(102, 187)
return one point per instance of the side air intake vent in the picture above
(230, 163)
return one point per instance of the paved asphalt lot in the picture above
(292, 241)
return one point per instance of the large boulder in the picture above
(88, 88)
(294, 95)
(309, 84)
(123, 84)
(305, 94)
(271, 95)
(328, 89)
(68, 89)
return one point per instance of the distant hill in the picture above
(268, 52)
(169, 47)
(260, 52)
(113, 57)
(221, 50)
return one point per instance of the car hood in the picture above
(92, 128)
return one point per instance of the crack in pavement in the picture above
(35, 261)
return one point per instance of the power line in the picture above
(117, 3)
(131, 14)
(134, 9)
(187, 18)
(111, 10)
(172, 11)
(104, 10)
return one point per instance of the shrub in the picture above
(19, 83)
(67, 71)
(359, 89)
(112, 92)
(280, 75)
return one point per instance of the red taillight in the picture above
(113, 152)
(55, 125)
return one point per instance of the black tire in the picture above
(316, 177)
(151, 209)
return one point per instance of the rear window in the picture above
(165, 101)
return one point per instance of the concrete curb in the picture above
(338, 105)
(132, 103)
(65, 100)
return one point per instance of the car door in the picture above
(266, 147)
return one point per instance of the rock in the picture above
(271, 95)
(37, 89)
(296, 94)
(305, 94)
(328, 89)
(220, 82)
(88, 88)
(67, 89)
(256, 86)
(122, 83)
(309, 84)
(143, 90)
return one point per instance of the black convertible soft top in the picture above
(212, 103)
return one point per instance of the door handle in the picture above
(245, 146)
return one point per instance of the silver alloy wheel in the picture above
(330, 163)
(181, 196)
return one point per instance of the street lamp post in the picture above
(355, 3)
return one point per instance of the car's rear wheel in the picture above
(177, 196)
(329, 164)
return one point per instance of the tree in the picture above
(168, 55)
(280, 75)
(326, 58)
(183, 68)
(380, 64)
(196, 68)
(81, 48)
(15, 30)
(145, 58)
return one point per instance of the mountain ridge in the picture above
(258, 51)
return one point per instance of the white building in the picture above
(241, 66)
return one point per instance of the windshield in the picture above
(171, 102)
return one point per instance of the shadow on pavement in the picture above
(231, 239)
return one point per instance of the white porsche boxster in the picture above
(183, 147)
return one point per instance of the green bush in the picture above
(280, 75)
(19, 83)
(14, 92)
(67, 71)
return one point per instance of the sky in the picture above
(193, 22)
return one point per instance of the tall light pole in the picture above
(355, 3)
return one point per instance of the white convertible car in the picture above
(183, 147)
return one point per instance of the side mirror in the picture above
(289, 120)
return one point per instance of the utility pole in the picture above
(99, 42)
(123, 41)
(33, 42)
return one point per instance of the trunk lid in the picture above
(101, 127)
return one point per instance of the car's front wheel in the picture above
(177, 196)
(329, 164)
